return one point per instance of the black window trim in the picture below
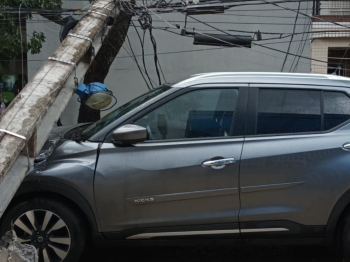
(238, 120)
(254, 105)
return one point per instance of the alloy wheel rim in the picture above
(46, 231)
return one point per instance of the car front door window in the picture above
(197, 114)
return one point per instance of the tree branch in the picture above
(58, 19)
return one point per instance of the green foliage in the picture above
(37, 4)
(10, 35)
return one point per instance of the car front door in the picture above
(182, 181)
(293, 160)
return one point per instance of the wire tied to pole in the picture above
(21, 137)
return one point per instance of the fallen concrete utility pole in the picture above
(31, 116)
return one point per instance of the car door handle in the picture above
(346, 146)
(219, 163)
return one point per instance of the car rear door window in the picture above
(336, 109)
(282, 111)
(197, 114)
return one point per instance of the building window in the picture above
(338, 61)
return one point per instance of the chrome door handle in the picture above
(219, 163)
(346, 146)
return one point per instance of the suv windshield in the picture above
(120, 111)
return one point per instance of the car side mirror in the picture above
(129, 134)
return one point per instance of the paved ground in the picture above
(217, 254)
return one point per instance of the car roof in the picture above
(264, 78)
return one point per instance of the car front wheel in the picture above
(52, 226)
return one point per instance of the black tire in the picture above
(48, 215)
(345, 237)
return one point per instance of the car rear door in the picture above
(182, 181)
(294, 166)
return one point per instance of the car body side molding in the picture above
(208, 232)
(250, 189)
(181, 196)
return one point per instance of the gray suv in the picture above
(223, 157)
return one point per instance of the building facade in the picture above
(331, 38)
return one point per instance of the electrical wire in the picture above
(181, 52)
(226, 4)
(246, 2)
(253, 43)
(233, 23)
(130, 56)
(154, 44)
(280, 34)
(161, 70)
(297, 63)
(300, 56)
(161, 53)
(299, 51)
(156, 15)
(280, 51)
(237, 37)
(137, 63)
(216, 48)
(201, 1)
(143, 52)
(303, 14)
(156, 61)
(291, 39)
(144, 25)
(145, 21)
(143, 56)
(30, 11)
(275, 3)
(135, 59)
(255, 15)
(276, 9)
(126, 50)
(302, 49)
(263, 40)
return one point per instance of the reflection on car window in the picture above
(288, 111)
(197, 114)
(117, 113)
